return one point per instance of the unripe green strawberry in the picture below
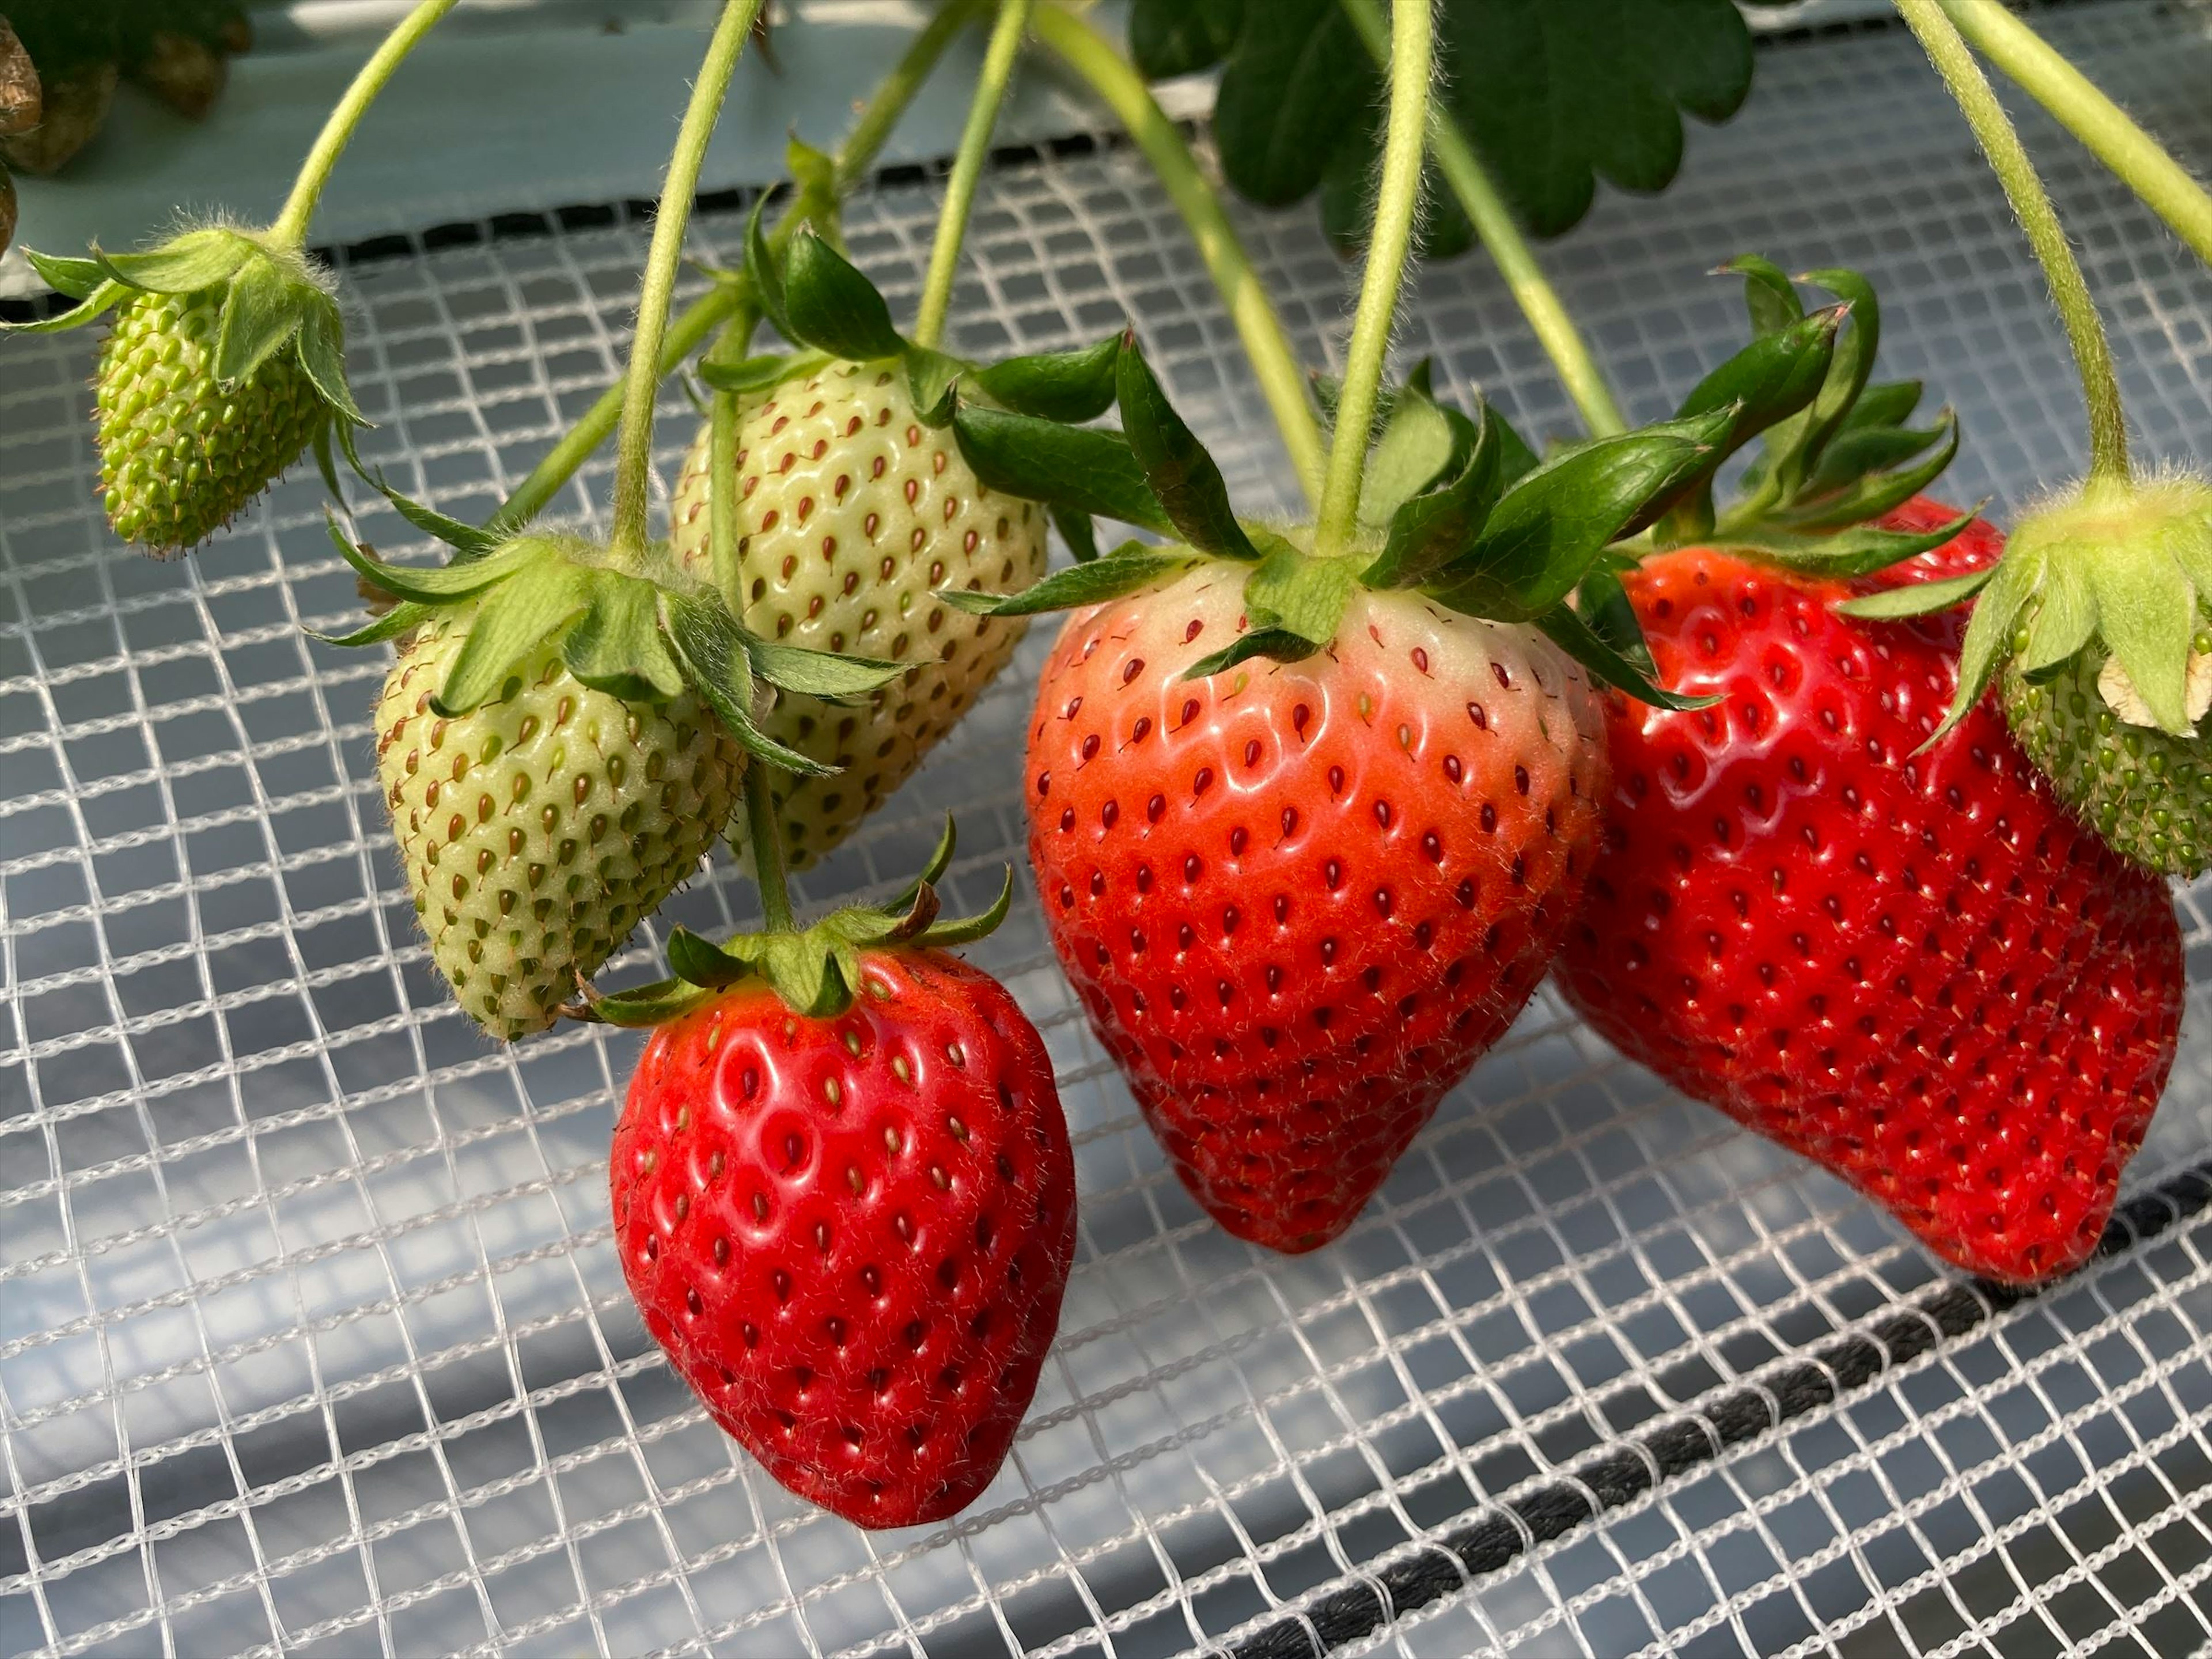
(851, 512)
(181, 453)
(540, 828)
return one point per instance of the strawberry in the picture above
(1307, 827)
(844, 1200)
(850, 511)
(1298, 900)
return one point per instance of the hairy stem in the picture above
(290, 229)
(766, 842)
(856, 156)
(967, 168)
(2069, 290)
(2030, 61)
(1485, 209)
(642, 385)
(1093, 60)
(1397, 202)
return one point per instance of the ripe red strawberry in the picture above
(850, 1232)
(1916, 969)
(1298, 899)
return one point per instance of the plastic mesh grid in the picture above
(311, 1337)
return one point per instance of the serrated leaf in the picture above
(820, 674)
(1178, 472)
(260, 314)
(195, 260)
(443, 583)
(1056, 386)
(515, 618)
(1091, 469)
(1168, 38)
(1126, 568)
(1075, 529)
(1917, 599)
(1277, 644)
(1440, 525)
(1572, 635)
(616, 646)
(829, 303)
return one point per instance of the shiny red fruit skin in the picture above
(1297, 901)
(1918, 972)
(850, 1235)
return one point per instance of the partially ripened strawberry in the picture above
(1911, 965)
(851, 513)
(1297, 899)
(851, 1231)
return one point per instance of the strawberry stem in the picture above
(967, 168)
(1094, 60)
(2031, 202)
(290, 229)
(856, 158)
(1485, 209)
(641, 386)
(766, 844)
(1397, 201)
(2137, 158)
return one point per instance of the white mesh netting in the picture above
(311, 1336)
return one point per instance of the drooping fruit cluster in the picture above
(1300, 898)
(538, 827)
(851, 513)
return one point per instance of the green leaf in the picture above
(1418, 448)
(707, 644)
(702, 962)
(260, 314)
(403, 618)
(1056, 386)
(86, 310)
(76, 278)
(322, 354)
(1769, 295)
(1771, 379)
(760, 372)
(470, 541)
(1550, 526)
(1604, 604)
(616, 647)
(1858, 551)
(1890, 404)
(1851, 369)
(764, 273)
(1075, 529)
(1572, 635)
(1881, 492)
(1989, 638)
(515, 618)
(1085, 468)
(939, 861)
(929, 379)
(1277, 644)
(444, 583)
(327, 465)
(820, 674)
(1179, 473)
(1129, 567)
(189, 263)
(966, 930)
(1917, 599)
(2146, 612)
(1299, 595)
(1852, 455)
(805, 975)
(1298, 69)
(814, 171)
(1168, 38)
(830, 304)
(642, 1008)
(1435, 527)
(1516, 459)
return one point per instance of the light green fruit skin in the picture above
(851, 513)
(539, 830)
(180, 455)
(2148, 793)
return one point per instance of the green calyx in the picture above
(1457, 507)
(814, 971)
(225, 362)
(641, 637)
(825, 307)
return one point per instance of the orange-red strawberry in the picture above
(1298, 899)
(850, 1232)
(1914, 967)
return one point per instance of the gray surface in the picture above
(310, 1332)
